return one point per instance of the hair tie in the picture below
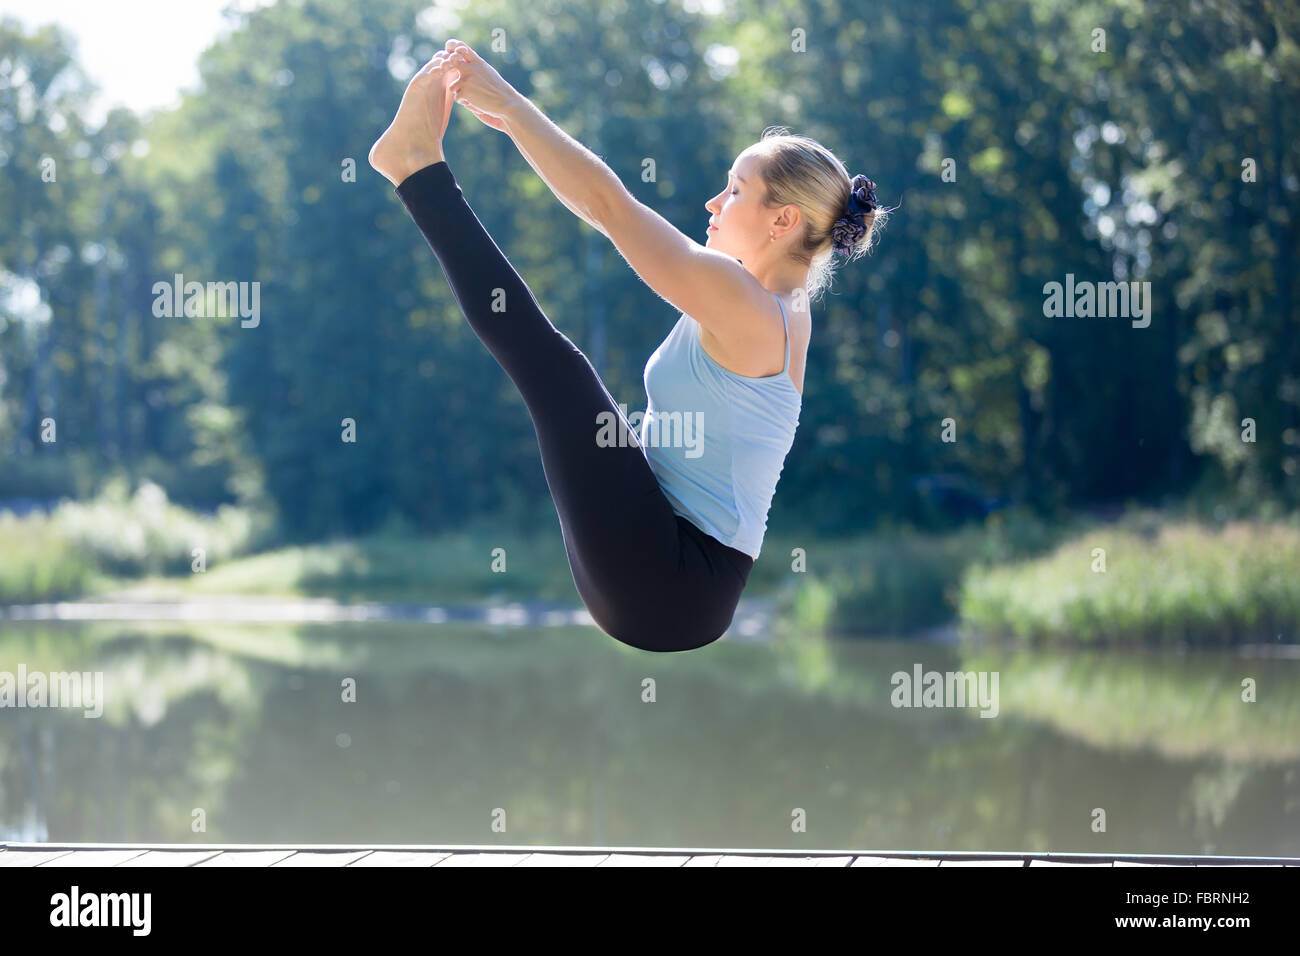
(862, 194)
(849, 229)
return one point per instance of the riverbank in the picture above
(1145, 578)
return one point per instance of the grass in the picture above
(889, 582)
(451, 567)
(143, 543)
(36, 566)
(88, 546)
(1179, 583)
(1166, 580)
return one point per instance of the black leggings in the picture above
(649, 577)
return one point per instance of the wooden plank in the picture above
(563, 859)
(28, 857)
(767, 861)
(171, 858)
(109, 854)
(963, 862)
(322, 858)
(1034, 862)
(908, 861)
(402, 858)
(93, 858)
(1140, 863)
(483, 859)
(643, 859)
(246, 858)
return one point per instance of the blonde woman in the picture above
(660, 535)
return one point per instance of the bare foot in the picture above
(414, 139)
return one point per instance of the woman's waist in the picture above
(738, 560)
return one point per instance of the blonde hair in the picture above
(800, 171)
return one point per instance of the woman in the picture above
(660, 538)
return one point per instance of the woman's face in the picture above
(739, 220)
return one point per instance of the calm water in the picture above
(453, 725)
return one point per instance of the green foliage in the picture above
(813, 606)
(1162, 584)
(44, 476)
(144, 533)
(455, 567)
(1117, 164)
(35, 566)
(890, 583)
(897, 587)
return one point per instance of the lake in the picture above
(551, 735)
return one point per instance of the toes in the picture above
(437, 62)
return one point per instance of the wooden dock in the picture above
(116, 854)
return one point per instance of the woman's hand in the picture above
(495, 122)
(480, 88)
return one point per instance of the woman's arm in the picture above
(578, 177)
(575, 204)
(710, 286)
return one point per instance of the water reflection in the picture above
(452, 725)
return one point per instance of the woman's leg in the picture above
(620, 533)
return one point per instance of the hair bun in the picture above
(849, 229)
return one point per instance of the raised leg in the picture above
(620, 532)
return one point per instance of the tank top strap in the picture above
(785, 322)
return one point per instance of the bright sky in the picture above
(141, 53)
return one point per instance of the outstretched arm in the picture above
(710, 286)
(578, 193)
(497, 123)
(578, 177)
